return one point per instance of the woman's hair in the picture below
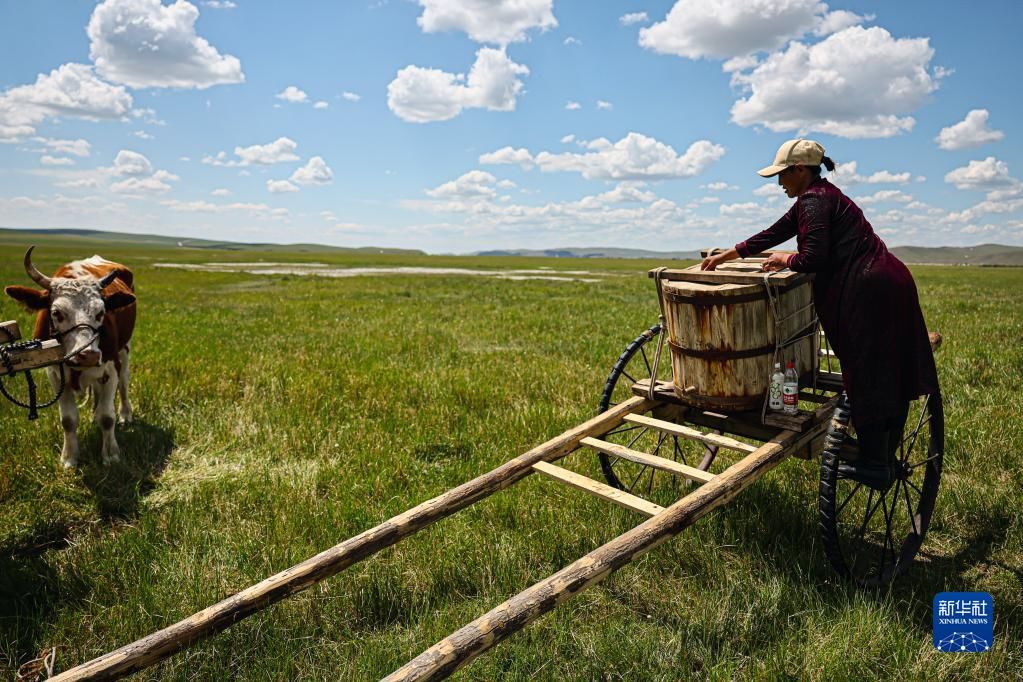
(826, 162)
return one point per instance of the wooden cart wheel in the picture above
(635, 363)
(870, 536)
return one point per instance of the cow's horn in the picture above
(39, 278)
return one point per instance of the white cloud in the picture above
(603, 104)
(720, 29)
(472, 185)
(140, 178)
(719, 186)
(292, 94)
(69, 90)
(508, 155)
(634, 157)
(633, 18)
(278, 186)
(972, 131)
(279, 151)
(853, 84)
(321, 105)
(567, 139)
(988, 174)
(846, 175)
(572, 40)
(143, 43)
(48, 160)
(219, 4)
(883, 196)
(315, 172)
(421, 95)
(351, 96)
(488, 21)
(573, 106)
(78, 147)
(221, 192)
(132, 163)
(839, 20)
(768, 190)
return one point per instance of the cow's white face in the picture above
(77, 310)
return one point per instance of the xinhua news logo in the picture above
(964, 622)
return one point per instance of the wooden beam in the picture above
(691, 434)
(159, 645)
(601, 490)
(459, 648)
(661, 463)
(9, 331)
(49, 352)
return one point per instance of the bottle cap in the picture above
(777, 365)
(790, 363)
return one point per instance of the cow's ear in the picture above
(117, 300)
(33, 299)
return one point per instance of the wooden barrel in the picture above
(722, 339)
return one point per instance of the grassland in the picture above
(278, 415)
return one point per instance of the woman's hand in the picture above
(775, 262)
(711, 262)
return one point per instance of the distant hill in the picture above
(188, 243)
(596, 252)
(984, 254)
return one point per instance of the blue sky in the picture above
(461, 125)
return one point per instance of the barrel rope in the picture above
(660, 336)
(780, 342)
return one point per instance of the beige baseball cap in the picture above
(794, 153)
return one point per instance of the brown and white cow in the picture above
(89, 305)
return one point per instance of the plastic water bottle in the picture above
(774, 399)
(790, 389)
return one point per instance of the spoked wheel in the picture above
(871, 535)
(635, 363)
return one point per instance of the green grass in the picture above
(277, 416)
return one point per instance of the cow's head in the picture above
(76, 308)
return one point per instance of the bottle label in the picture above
(774, 399)
(791, 395)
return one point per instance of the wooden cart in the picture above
(662, 458)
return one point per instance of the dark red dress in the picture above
(865, 298)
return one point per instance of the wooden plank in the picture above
(661, 463)
(745, 424)
(691, 434)
(9, 331)
(462, 646)
(49, 352)
(601, 490)
(159, 645)
(827, 352)
(791, 422)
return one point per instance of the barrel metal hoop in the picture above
(715, 354)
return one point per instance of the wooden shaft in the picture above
(161, 644)
(49, 352)
(459, 648)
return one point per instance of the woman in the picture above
(865, 298)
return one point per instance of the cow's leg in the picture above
(106, 388)
(122, 386)
(68, 407)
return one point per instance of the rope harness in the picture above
(780, 343)
(33, 406)
(660, 335)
